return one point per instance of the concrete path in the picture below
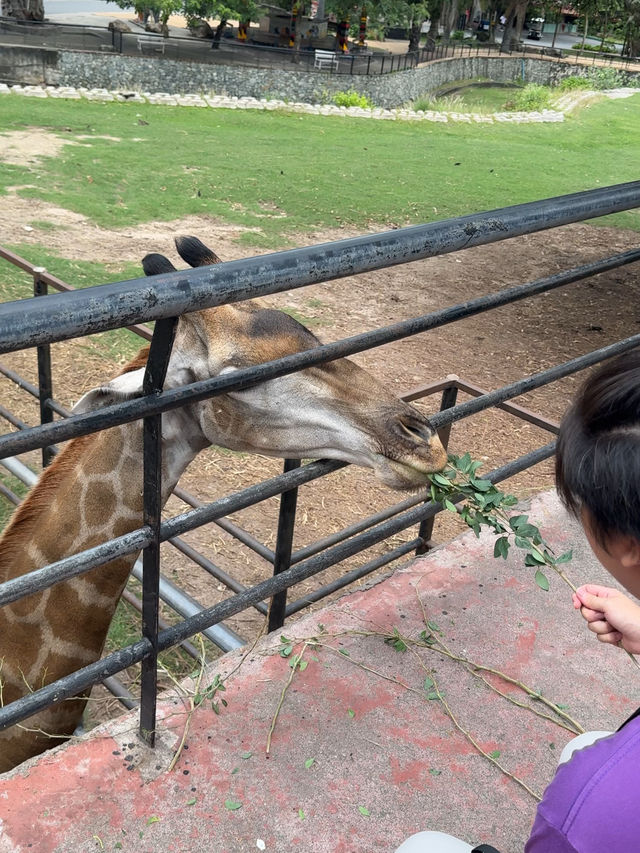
(370, 743)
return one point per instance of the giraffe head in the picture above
(335, 410)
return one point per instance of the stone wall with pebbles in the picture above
(151, 74)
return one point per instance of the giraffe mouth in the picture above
(411, 471)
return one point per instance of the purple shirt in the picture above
(593, 802)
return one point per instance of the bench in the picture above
(156, 42)
(325, 59)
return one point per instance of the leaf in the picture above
(428, 683)
(541, 580)
(464, 463)
(364, 811)
(433, 626)
(309, 762)
(434, 772)
(440, 480)
(564, 558)
(192, 801)
(302, 665)
(495, 754)
(537, 556)
(344, 652)
(528, 530)
(232, 805)
(432, 696)
(301, 814)
(245, 755)
(501, 547)
(448, 505)
(481, 485)
(286, 651)
(516, 521)
(351, 713)
(235, 770)
(152, 819)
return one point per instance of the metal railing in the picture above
(62, 316)
(254, 54)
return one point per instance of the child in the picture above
(593, 802)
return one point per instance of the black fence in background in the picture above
(40, 321)
(255, 55)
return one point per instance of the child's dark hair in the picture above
(598, 450)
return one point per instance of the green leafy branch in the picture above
(484, 505)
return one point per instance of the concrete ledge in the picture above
(362, 754)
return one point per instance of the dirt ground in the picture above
(489, 351)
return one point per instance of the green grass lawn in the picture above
(288, 174)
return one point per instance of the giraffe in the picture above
(93, 489)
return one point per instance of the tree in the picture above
(162, 9)
(632, 40)
(515, 14)
(23, 10)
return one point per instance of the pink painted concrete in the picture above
(397, 755)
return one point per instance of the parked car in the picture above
(535, 28)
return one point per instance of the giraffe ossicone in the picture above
(93, 489)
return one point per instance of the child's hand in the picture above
(612, 616)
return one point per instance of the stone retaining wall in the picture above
(150, 74)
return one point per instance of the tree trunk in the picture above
(435, 10)
(217, 35)
(23, 10)
(513, 27)
(451, 21)
(555, 32)
(586, 28)
(604, 29)
(414, 36)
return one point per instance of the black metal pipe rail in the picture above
(119, 660)
(109, 416)
(190, 520)
(166, 296)
(112, 306)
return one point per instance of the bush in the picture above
(531, 97)
(607, 47)
(351, 98)
(573, 82)
(457, 35)
(448, 103)
(606, 78)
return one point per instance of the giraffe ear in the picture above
(124, 387)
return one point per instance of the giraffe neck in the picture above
(91, 493)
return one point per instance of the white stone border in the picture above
(563, 105)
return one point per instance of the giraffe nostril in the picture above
(418, 430)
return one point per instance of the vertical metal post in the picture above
(449, 398)
(155, 373)
(284, 546)
(45, 382)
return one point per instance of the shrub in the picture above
(573, 82)
(449, 103)
(607, 47)
(531, 97)
(606, 78)
(351, 98)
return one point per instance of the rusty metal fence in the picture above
(48, 318)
